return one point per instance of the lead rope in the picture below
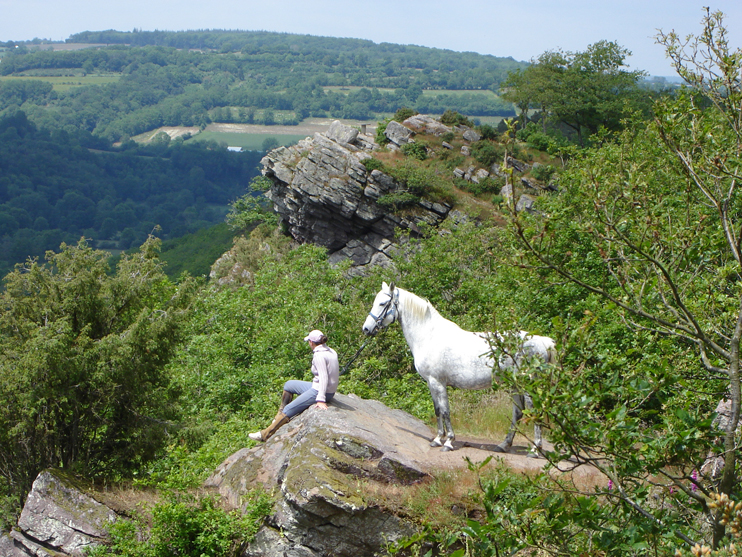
(353, 359)
(378, 322)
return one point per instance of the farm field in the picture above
(63, 83)
(426, 92)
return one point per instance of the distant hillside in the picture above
(59, 186)
(193, 78)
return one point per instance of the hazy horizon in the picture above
(521, 31)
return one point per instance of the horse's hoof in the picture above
(436, 443)
(502, 448)
(533, 454)
(446, 449)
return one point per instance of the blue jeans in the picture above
(307, 397)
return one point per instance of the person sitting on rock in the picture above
(320, 390)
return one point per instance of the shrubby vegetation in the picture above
(82, 363)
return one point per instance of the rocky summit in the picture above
(324, 194)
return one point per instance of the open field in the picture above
(248, 141)
(459, 92)
(426, 92)
(66, 82)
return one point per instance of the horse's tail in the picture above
(552, 356)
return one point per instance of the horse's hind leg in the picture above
(443, 417)
(518, 405)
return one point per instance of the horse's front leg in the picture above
(442, 414)
(518, 405)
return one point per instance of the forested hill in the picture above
(352, 61)
(245, 77)
(58, 186)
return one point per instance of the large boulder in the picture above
(59, 518)
(420, 123)
(316, 461)
(397, 133)
(324, 195)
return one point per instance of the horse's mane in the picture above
(416, 308)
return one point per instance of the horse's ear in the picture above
(384, 286)
(391, 288)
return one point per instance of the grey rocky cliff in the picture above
(323, 194)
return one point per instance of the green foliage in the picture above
(187, 526)
(398, 200)
(415, 150)
(487, 152)
(403, 113)
(373, 163)
(643, 231)
(82, 368)
(422, 180)
(486, 186)
(194, 254)
(381, 138)
(249, 210)
(543, 172)
(488, 132)
(583, 90)
(453, 118)
(536, 513)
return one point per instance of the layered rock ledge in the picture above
(323, 194)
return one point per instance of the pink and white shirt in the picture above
(326, 371)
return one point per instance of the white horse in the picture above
(445, 355)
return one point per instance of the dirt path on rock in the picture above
(477, 450)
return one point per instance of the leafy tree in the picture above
(650, 224)
(82, 362)
(583, 90)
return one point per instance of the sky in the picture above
(522, 29)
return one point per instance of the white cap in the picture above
(315, 336)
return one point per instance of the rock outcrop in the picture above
(316, 461)
(58, 519)
(323, 194)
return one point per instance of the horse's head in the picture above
(384, 310)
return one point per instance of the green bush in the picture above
(487, 153)
(540, 141)
(423, 180)
(487, 186)
(415, 150)
(373, 164)
(488, 132)
(403, 113)
(543, 172)
(453, 118)
(382, 139)
(187, 526)
(398, 200)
